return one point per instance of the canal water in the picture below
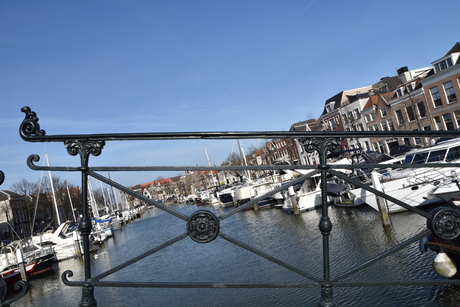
(357, 235)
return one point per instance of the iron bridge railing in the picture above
(322, 142)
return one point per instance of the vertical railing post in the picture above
(85, 226)
(84, 149)
(324, 145)
(325, 226)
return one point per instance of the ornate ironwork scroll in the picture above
(29, 126)
(329, 144)
(75, 147)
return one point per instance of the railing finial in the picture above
(29, 126)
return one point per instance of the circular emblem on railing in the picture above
(203, 226)
(445, 223)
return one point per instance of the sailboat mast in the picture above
(243, 158)
(71, 204)
(52, 190)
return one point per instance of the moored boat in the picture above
(414, 186)
(37, 261)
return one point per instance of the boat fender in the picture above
(421, 245)
(444, 223)
(444, 266)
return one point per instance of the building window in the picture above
(376, 146)
(443, 64)
(457, 118)
(383, 112)
(421, 109)
(357, 113)
(350, 117)
(410, 88)
(376, 128)
(437, 122)
(450, 93)
(410, 113)
(333, 124)
(384, 126)
(448, 121)
(390, 124)
(399, 117)
(436, 97)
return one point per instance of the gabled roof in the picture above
(303, 125)
(392, 82)
(454, 49)
(337, 99)
(5, 195)
(374, 100)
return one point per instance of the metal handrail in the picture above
(322, 142)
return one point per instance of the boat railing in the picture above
(320, 142)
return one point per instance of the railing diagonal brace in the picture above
(268, 194)
(270, 258)
(137, 195)
(379, 193)
(386, 253)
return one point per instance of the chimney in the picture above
(402, 70)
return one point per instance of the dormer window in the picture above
(329, 107)
(410, 88)
(446, 63)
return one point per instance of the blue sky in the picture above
(150, 66)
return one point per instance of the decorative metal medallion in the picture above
(203, 226)
(445, 223)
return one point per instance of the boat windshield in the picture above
(416, 158)
(437, 155)
(453, 154)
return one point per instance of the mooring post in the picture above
(381, 202)
(77, 243)
(292, 196)
(22, 268)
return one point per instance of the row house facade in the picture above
(442, 90)
(414, 100)
(14, 219)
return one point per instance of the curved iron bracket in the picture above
(67, 282)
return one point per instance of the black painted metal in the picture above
(445, 223)
(204, 226)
